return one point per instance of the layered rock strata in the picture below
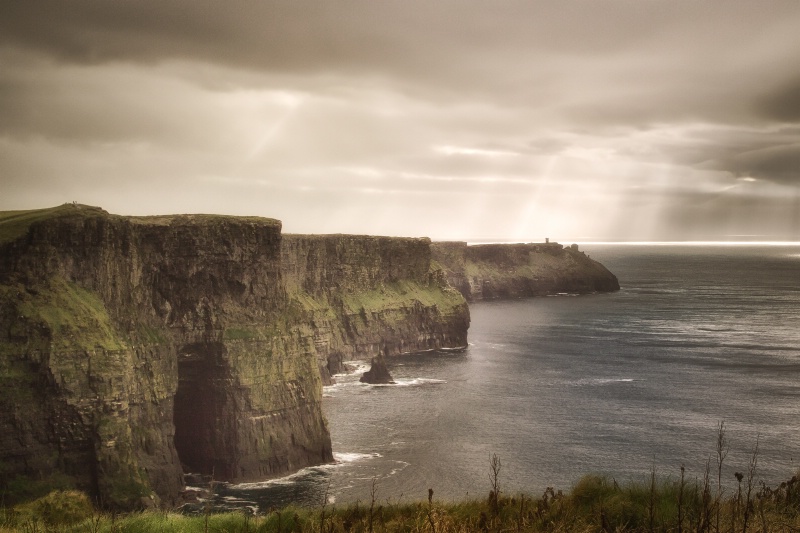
(362, 295)
(133, 350)
(490, 271)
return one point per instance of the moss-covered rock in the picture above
(58, 508)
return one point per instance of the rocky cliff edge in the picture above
(134, 349)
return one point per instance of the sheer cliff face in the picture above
(131, 347)
(516, 270)
(360, 295)
(135, 349)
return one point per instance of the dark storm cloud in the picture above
(769, 153)
(776, 163)
(315, 109)
(782, 105)
(519, 49)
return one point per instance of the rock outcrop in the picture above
(378, 373)
(489, 271)
(133, 350)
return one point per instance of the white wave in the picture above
(358, 367)
(455, 348)
(329, 390)
(287, 480)
(418, 381)
(601, 381)
(234, 499)
(400, 468)
(351, 457)
(400, 382)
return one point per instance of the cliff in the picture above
(517, 270)
(135, 349)
(361, 295)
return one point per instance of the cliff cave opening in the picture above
(203, 414)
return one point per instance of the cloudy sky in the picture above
(467, 119)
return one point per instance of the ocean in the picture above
(565, 386)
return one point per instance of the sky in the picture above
(577, 120)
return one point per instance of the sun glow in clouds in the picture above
(691, 243)
(480, 152)
(289, 103)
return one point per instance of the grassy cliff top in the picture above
(166, 220)
(14, 224)
(338, 236)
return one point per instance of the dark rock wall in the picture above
(518, 270)
(363, 295)
(322, 265)
(102, 316)
(134, 349)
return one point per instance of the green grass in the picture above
(401, 294)
(235, 334)
(594, 504)
(199, 219)
(14, 224)
(56, 508)
(150, 335)
(75, 317)
(539, 265)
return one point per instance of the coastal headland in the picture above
(136, 349)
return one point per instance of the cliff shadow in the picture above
(205, 415)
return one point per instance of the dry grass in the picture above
(595, 504)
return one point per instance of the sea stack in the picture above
(378, 373)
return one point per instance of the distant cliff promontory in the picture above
(488, 271)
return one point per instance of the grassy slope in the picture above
(400, 294)
(545, 265)
(594, 504)
(74, 318)
(14, 224)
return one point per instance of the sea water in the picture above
(560, 387)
